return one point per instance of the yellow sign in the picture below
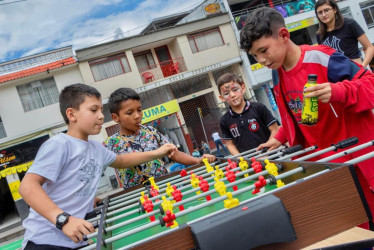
(302, 24)
(256, 66)
(159, 111)
(14, 190)
(212, 8)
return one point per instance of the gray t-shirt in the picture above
(73, 168)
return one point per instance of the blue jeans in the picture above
(219, 142)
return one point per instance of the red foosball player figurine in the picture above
(232, 164)
(183, 173)
(231, 177)
(256, 165)
(204, 186)
(154, 192)
(177, 196)
(169, 219)
(148, 206)
(259, 184)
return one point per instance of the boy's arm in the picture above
(273, 128)
(274, 142)
(186, 159)
(350, 85)
(34, 195)
(231, 147)
(136, 158)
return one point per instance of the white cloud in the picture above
(34, 26)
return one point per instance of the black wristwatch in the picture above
(61, 220)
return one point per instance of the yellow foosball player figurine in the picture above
(219, 173)
(195, 183)
(220, 186)
(271, 167)
(243, 166)
(169, 189)
(153, 183)
(166, 204)
(142, 197)
(209, 167)
(230, 202)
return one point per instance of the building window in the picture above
(367, 9)
(144, 60)
(38, 94)
(108, 67)
(205, 40)
(346, 12)
(2, 129)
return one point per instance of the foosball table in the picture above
(254, 199)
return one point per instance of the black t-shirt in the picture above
(344, 39)
(248, 129)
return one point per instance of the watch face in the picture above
(61, 218)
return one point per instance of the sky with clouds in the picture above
(29, 27)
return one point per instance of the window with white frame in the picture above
(2, 129)
(205, 40)
(108, 67)
(144, 60)
(367, 9)
(38, 94)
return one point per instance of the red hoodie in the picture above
(352, 89)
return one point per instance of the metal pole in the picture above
(202, 124)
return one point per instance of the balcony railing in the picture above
(162, 70)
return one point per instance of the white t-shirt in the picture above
(216, 136)
(73, 168)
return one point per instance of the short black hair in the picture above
(121, 95)
(227, 77)
(262, 22)
(72, 96)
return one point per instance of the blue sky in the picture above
(29, 27)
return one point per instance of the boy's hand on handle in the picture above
(211, 158)
(166, 149)
(271, 144)
(76, 228)
(322, 91)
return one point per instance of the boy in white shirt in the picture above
(61, 184)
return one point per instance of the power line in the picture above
(12, 2)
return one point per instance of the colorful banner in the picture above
(302, 24)
(159, 111)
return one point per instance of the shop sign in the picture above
(212, 8)
(256, 66)
(302, 24)
(6, 159)
(159, 111)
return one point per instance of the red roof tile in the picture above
(36, 70)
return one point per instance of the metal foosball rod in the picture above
(122, 198)
(248, 153)
(354, 161)
(133, 203)
(280, 176)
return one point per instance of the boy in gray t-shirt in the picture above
(61, 184)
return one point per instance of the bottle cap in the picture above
(312, 77)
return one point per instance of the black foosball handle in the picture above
(292, 149)
(345, 143)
